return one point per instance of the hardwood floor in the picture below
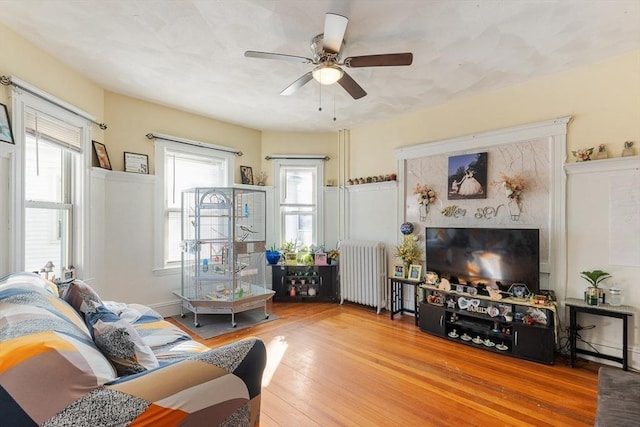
(331, 364)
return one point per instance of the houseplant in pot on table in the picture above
(593, 293)
(272, 255)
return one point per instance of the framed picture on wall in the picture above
(137, 163)
(247, 174)
(101, 154)
(467, 176)
(6, 134)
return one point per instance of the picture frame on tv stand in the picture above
(398, 271)
(414, 272)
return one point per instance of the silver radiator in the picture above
(363, 273)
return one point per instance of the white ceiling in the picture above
(189, 54)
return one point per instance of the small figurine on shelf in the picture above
(583, 154)
(602, 152)
(261, 178)
(628, 149)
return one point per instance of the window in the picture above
(180, 166)
(52, 141)
(299, 192)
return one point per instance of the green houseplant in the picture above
(594, 277)
(273, 255)
(592, 294)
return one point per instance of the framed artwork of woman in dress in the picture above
(467, 176)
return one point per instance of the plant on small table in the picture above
(333, 256)
(594, 278)
(273, 255)
(409, 251)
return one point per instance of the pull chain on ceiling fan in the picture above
(327, 52)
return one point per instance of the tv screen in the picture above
(501, 256)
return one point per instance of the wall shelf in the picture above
(604, 165)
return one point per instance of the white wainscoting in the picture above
(589, 204)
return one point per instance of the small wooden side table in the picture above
(622, 312)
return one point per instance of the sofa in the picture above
(618, 398)
(69, 358)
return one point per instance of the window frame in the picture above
(78, 171)
(318, 226)
(163, 148)
(64, 207)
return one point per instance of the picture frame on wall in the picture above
(6, 134)
(247, 174)
(467, 176)
(136, 163)
(102, 156)
(414, 272)
(398, 271)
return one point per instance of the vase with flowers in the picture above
(261, 178)
(426, 195)
(602, 152)
(513, 187)
(332, 256)
(409, 251)
(628, 149)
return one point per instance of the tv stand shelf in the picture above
(515, 327)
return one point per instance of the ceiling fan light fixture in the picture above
(327, 74)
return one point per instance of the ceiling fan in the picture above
(327, 54)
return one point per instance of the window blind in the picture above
(41, 125)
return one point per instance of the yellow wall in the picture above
(301, 143)
(131, 119)
(32, 65)
(603, 99)
(128, 119)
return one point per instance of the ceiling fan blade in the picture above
(351, 86)
(297, 84)
(334, 28)
(279, 56)
(385, 60)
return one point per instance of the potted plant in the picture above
(273, 255)
(508, 316)
(592, 294)
(409, 251)
(332, 256)
(289, 253)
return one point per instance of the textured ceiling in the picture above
(189, 54)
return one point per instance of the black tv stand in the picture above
(476, 320)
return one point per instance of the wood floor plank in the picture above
(345, 365)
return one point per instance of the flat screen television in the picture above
(475, 256)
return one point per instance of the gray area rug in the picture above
(213, 325)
